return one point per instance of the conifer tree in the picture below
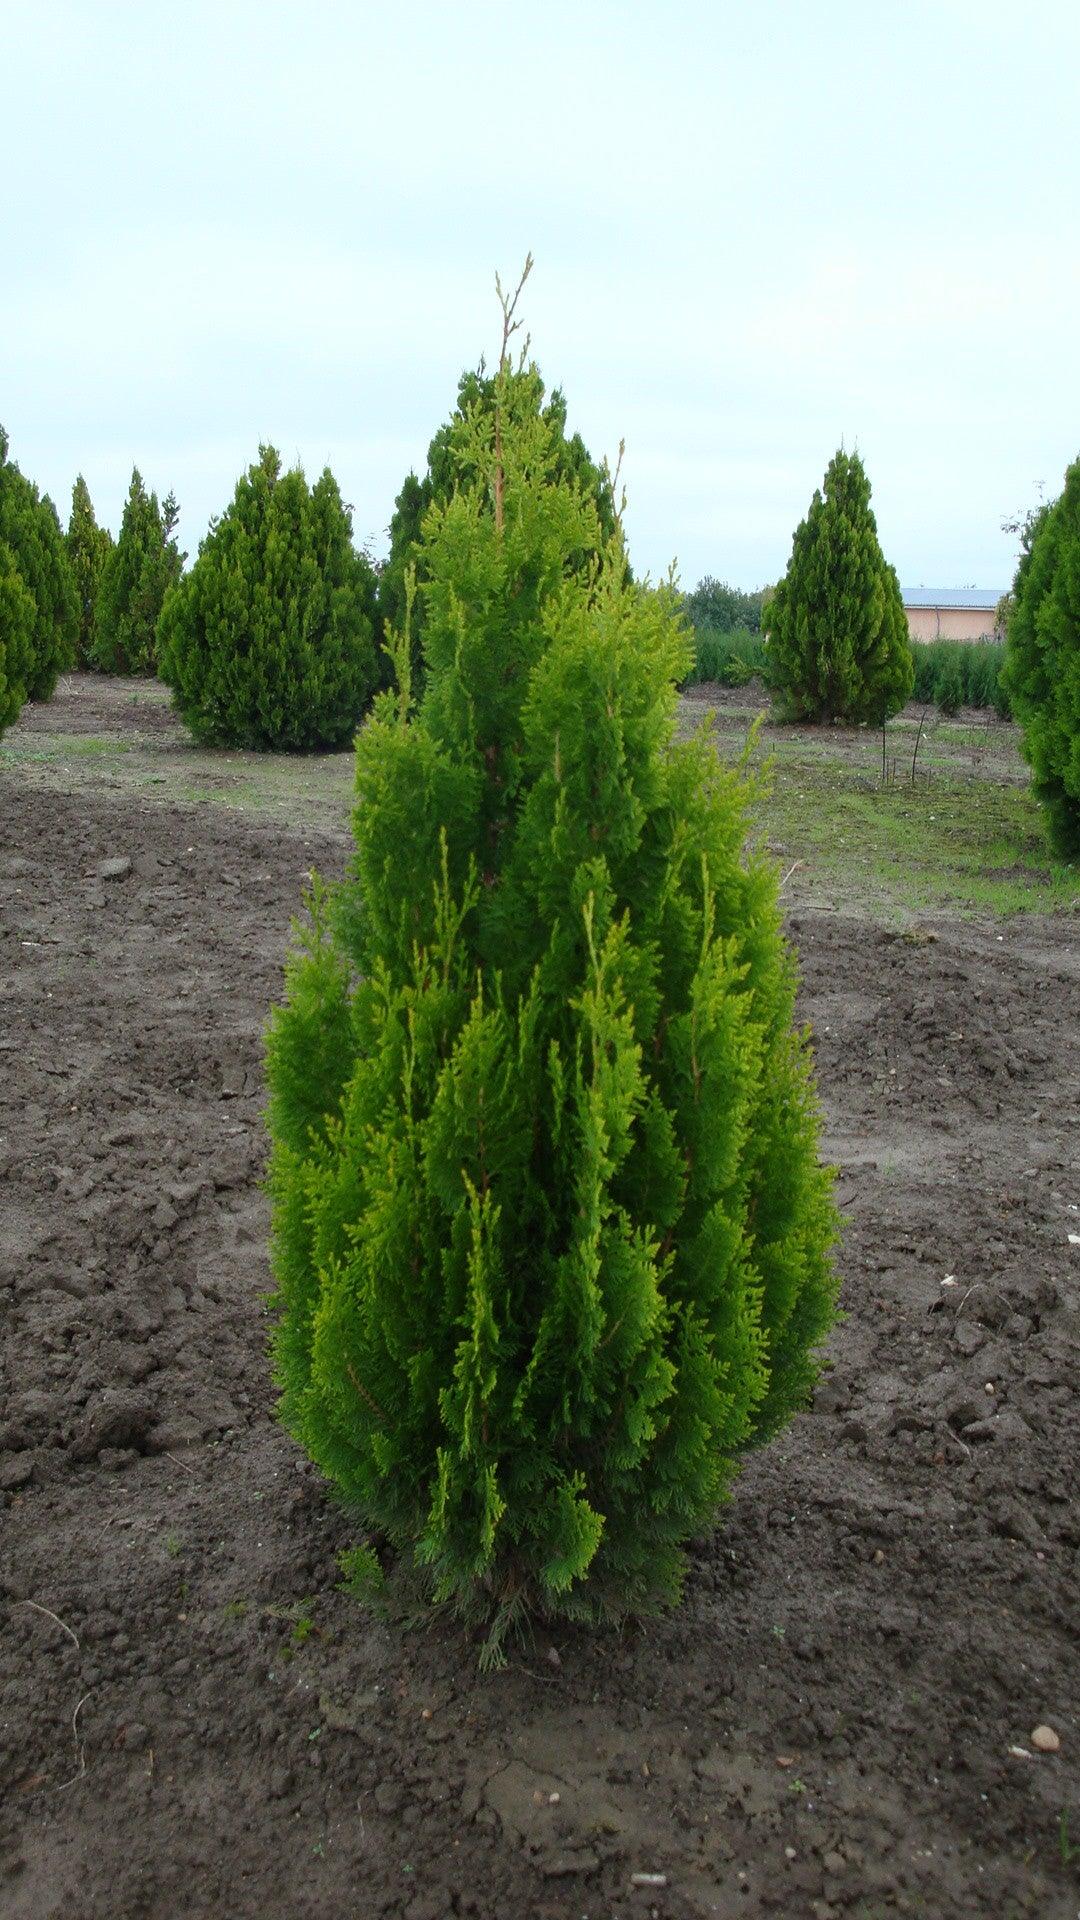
(88, 547)
(550, 1235)
(29, 528)
(1041, 675)
(448, 468)
(268, 641)
(135, 578)
(838, 639)
(17, 614)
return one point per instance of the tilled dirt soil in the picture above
(194, 1721)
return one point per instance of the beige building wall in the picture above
(950, 623)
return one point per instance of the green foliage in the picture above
(950, 689)
(268, 641)
(730, 658)
(31, 533)
(960, 673)
(550, 1234)
(135, 578)
(88, 548)
(17, 616)
(714, 607)
(1042, 665)
(450, 465)
(838, 635)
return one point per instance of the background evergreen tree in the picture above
(17, 615)
(269, 639)
(29, 528)
(88, 548)
(550, 1233)
(1042, 661)
(448, 466)
(838, 645)
(135, 578)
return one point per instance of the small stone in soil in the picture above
(1045, 1740)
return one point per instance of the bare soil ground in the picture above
(194, 1721)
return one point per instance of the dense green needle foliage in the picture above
(551, 1237)
(524, 396)
(88, 548)
(960, 673)
(838, 636)
(135, 578)
(268, 641)
(1042, 663)
(17, 613)
(732, 658)
(32, 535)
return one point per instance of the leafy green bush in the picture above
(88, 548)
(838, 634)
(551, 1237)
(268, 640)
(135, 577)
(31, 532)
(732, 659)
(716, 607)
(1042, 666)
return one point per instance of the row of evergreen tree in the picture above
(80, 598)
(276, 636)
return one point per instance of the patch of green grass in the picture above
(93, 744)
(49, 748)
(973, 845)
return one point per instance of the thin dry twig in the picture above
(79, 1748)
(54, 1617)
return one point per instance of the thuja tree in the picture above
(269, 639)
(135, 578)
(551, 1237)
(1042, 662)
(450, 465)
(17, 615)
(837, 634)
(31, 532)
(88, 548)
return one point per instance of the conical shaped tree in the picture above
(838, 643)
(524, 395)
(29, 528)
(268, 641)
(136, 576)
(1041, 675)
(550, 1233)
(88, 548)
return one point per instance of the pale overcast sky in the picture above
(759, 230)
